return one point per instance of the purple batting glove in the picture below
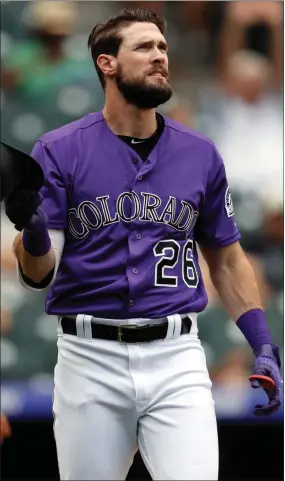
(24, 209)
(37, 222)
(266, 374)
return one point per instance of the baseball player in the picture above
(128, 195)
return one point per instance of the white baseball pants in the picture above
(111, 399)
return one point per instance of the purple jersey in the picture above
(131, 227)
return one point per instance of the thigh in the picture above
(94, 423)
(177, 433)
(178, 438)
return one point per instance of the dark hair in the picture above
(105, 38)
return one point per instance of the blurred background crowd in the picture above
(226, 61)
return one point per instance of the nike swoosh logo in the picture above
(137, 141)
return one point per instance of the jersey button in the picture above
(135, 271)
(131, 302)
(135, 161)
(138, 236)
(140, 177)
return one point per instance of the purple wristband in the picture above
(253, 325)
(36, 243)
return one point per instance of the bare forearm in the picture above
(236, 285)
(35, 268)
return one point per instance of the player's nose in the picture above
(158, 56)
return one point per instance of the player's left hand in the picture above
(266, 374)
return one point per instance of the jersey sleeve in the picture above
(216, 226)
(53, 190)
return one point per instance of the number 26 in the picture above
(189, 273)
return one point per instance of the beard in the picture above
(143, 95)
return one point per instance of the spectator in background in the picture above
(40, 64)
(242, 21)
(244, 115)
(250, 133)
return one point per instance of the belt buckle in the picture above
(126, 326)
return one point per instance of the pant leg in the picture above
(95, 419)
(177, 433)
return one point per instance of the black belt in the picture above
(127, 333)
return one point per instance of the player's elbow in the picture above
(37, 268)
(223, 259)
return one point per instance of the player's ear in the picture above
(108, 64)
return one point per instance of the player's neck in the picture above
(128, 120)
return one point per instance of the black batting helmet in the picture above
(18, 171)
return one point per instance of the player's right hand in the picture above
(5, 428)
(22, 208)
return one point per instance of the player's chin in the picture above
(158, 84)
